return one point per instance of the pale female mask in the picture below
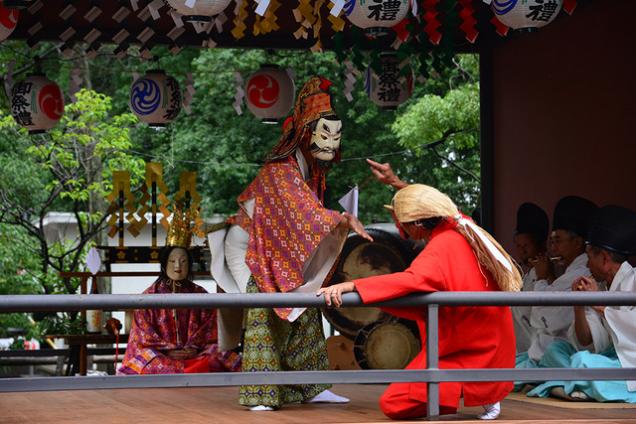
(325, 139)
(177, 267)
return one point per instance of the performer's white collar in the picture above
(302, 163)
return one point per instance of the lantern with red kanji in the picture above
(37, 103)
(374, 15)
(155, 98)
(269, 93)
(526, 14)
(8, 21)
(390, 84)
(199, 10)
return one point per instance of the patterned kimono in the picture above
(155, 331)
(288, 229)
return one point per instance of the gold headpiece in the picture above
(180, 232)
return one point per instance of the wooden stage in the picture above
(218, 405)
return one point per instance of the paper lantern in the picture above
(8, 21)
(202, 11)
(390, 86)
(373, 15)
(37, 103)
(270, 93)
(155, 98)
(524, 14)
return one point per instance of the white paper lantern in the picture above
(8, 21)
(201, 10)
(269, 93)
(389, 87)
(375, 14)
(155, 98)
(37, 103)
(522, 14)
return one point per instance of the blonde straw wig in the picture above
(419, 201)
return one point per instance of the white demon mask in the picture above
(325, 140)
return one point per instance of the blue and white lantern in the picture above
(155, 98)
(199, 10)
(526, 14)
(390, 86)
(373, 14)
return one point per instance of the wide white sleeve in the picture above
(601, 339)
(621, 322)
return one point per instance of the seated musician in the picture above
(172, 341)
(600, 337)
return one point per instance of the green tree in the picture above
(67, 169)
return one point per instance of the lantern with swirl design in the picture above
(389, 86)
(375, 15)
(526, 14)
(37, 103)
(202, 11)
(8, 21)
(269, 93)
(155, 98)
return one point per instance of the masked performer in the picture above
(172, 341)
(284, 240)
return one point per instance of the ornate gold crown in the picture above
(180, 231)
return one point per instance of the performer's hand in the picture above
(182, 354)
(384, 173)
(356, 226)
(333, 294)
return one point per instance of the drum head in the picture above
(387, 345)
(361, 258)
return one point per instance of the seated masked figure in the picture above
(283, 240)
(172, 341)
(600, 337)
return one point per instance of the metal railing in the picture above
(432, 375)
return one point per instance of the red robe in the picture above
(469, 336)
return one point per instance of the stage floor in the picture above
(218, 405)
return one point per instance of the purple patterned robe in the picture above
(154, 331)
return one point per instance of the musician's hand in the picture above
(585, 284)
(356, 226)
(384, 173)
(333, 293)
(543, 267)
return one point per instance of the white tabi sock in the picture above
(261, 408)
(327, 397)
(491, 411)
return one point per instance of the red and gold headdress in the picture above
(313, 102)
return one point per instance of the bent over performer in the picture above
(459, 256)
(284, 240)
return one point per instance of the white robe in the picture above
(521, 315)
(552, 322)
(622, 321)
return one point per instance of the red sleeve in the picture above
(424, 275)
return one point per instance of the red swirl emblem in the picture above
(263, 91)
(8, 17)
(51, 101)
